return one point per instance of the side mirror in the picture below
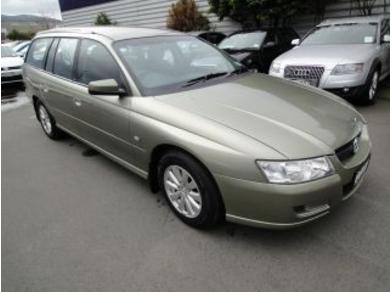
(295, 42)
(386, 38)
(105, 87)
(269, 44)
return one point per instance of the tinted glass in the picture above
(37, 53)
(64, 58)
(166, 64)
(243, 40)
(51, 54)
(96, 63)
(351, 33)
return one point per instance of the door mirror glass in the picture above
(105, 87)
(269, 44)
(386, 38)
(295, 42)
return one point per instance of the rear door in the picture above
(59, 87)
(102, 120)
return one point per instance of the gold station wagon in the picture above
(220, 142)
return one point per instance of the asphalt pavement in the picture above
(72, 220)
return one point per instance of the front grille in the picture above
(347, 150)
(311, 74)
(11, 78)
(14, 68)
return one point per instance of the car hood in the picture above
(328, 55)
(11, 62)
(295, 120)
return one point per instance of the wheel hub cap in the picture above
(183, 191)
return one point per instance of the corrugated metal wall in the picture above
(144, 13)
(340, 8)
(153, 13)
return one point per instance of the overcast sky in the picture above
(48, 8)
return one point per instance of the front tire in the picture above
(371, 88)
(189, 190)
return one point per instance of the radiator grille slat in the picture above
(311, 74)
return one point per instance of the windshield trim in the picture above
(176, 87)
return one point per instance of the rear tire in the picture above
(47, 122)
(190, 190)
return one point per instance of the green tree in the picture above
(16, 35)
(103, 19)
(185, 16)
(254, 13)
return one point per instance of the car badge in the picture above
(355, 145)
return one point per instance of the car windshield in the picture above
(241, 41)
(351, 33)
(168, 63)
(7, 52)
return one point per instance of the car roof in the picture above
(111, 32)
(357, 19)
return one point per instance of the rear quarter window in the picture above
(38, 51)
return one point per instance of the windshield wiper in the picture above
(205, 78)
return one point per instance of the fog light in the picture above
(346, 89)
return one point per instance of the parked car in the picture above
(345, 56)
(257, 49)
(218, 141)
(22, 48)
(11, 66)
(213, 37)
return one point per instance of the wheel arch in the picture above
(158, 152)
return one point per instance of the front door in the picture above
(102, 120)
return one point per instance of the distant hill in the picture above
(27, 18)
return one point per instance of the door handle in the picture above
(77, 102)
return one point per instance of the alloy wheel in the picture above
(373, 86)
(45, 120)
(182, 191)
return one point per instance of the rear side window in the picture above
(96, 63)
(64, 58)
(51, 54)
(37, 53)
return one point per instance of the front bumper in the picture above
(348, 85)
(11, 76)
(285, 206)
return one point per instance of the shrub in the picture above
(103, 19)
(185, 16)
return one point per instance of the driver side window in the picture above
(96, 63)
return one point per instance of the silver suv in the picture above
(345, 56)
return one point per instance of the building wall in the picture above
(337, 9)
(153, 13)
(143, 13)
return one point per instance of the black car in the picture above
(257, 49)
(213, 37)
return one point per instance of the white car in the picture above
(22, 48)
(11, 66)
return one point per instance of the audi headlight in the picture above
(275, 67)
(296, 171)
(344, 69)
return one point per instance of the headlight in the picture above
(296, 171)
(344, 69)
(275, 67)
